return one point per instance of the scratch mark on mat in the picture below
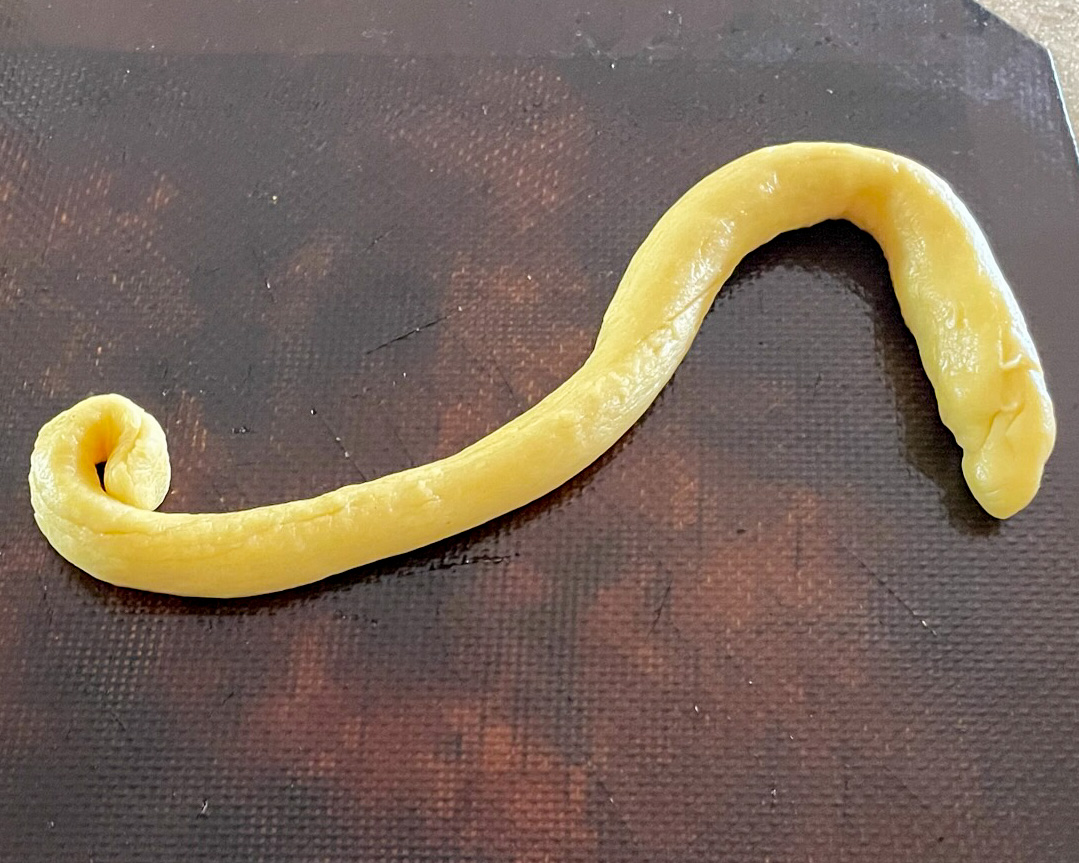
(406, 335)
(400, 442)
(614, 806)
(261, 269)
(887, 587)
(337, 441)
(494, 365)
(45, 598)
(467, 560)
(378, 238)
(662, 605)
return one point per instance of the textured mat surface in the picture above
(771, 624)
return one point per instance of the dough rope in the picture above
(970, 333)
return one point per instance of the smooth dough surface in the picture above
(970, 333)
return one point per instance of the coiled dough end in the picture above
(65, 486)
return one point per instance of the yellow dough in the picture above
(971, 336)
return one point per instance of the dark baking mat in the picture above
(771, 624)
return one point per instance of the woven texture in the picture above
(770, 624)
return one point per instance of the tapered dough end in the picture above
(1005, 472)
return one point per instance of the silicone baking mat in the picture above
(325, 242)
